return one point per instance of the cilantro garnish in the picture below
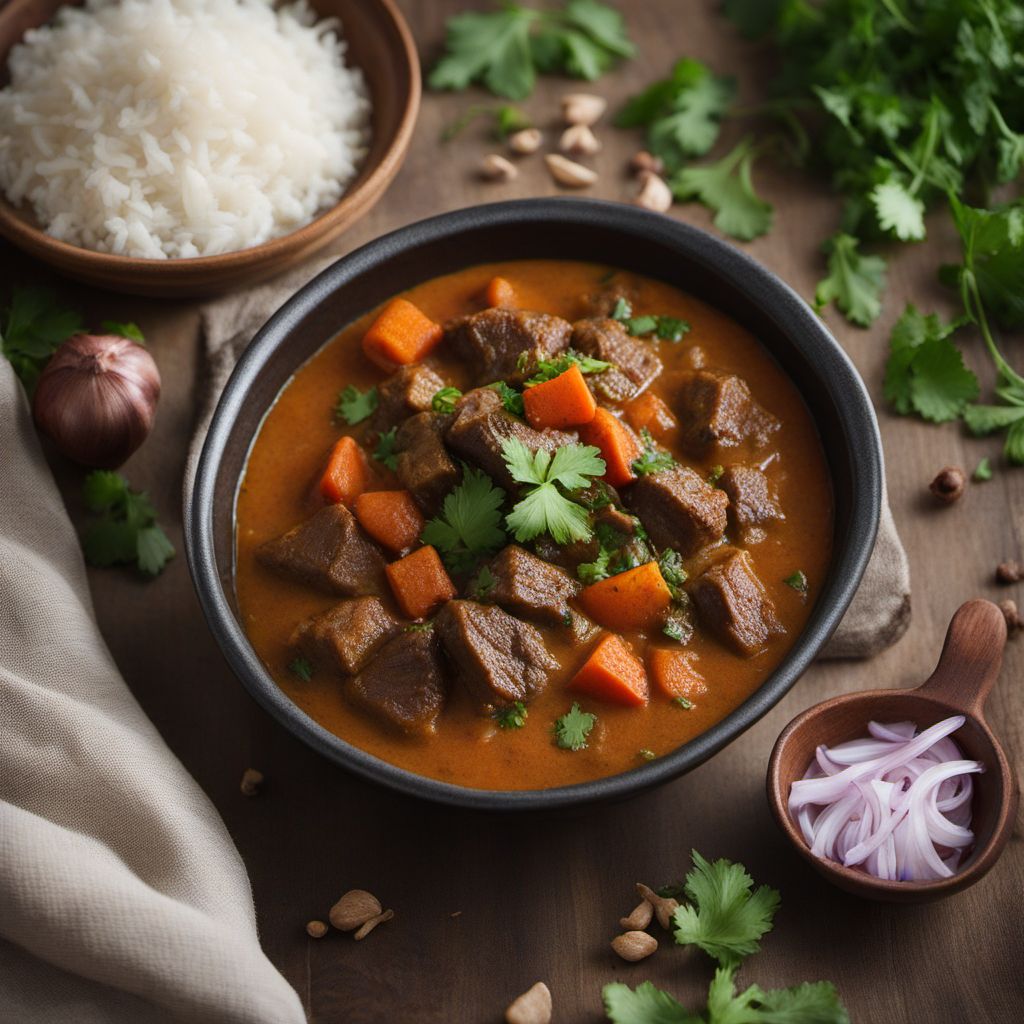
(622, 310)
(511, 399)
(354, 406)
(683, 702)
(646, 754)
(445, 399)
(507, 119)
(670, 562)
(573, 728)
(652, 459)
(854, 282)
(548, 369)
(715, 474)
(301, 667)
(664, 328)
(419, 627)
(545, 508)
(32, 328)
(385, 451)
(983, 471)
(592, 572)
(512, 716)
(125, 531)
(124, 330)
(504, 49)
(674, 631)
(469, 527)
(483, 584)
(797, 581)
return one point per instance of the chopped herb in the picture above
(510, 398)
(798, 581)
(511, 717)
(670, 562)
(567, 619)
(573, 728)
(664, 328)
(652, 459)
(354, 406)
(506, 120)
(545, 508)
(419, 627)
(469, 527)
(715, 474)
(301, 667)
(983, 471)
(684, 703)
(593, 572)
(483, 584)
(548, 369)
(674, 631)
(128, 330)
(125, 531)
(445, 399)
(622, 310)
(385, 451)
(32, 328)
(646, 755)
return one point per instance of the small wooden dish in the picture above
(967, 669)
(379, 42)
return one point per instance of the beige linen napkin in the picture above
(876, 619)
(122, 897)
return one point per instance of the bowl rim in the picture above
(742, 274)
(351, 204)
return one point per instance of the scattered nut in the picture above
(644, 161)
(532, 1007)
(252, 782)
(582, 108)
(316, 929)
(639, 919)
(567, 172)
(580, 140)
(495, 167)
(1010, 572)
(633, 946)
(355, 908)
(654, 194)
(1013, 620)
(949, 485)
(368, 926)
(525, 141)
(664, 907)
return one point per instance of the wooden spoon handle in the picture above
(971, 657)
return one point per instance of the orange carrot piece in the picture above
(651, 413)
(501, 293)
(563, 401)
(675, 673)
(618, 446)
(612, 673)
(400, 335)
(392, 518)
(347, 473)
(636, 599)
(419, 582)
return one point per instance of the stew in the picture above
(565, 519)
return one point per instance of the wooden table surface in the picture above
(540, 898)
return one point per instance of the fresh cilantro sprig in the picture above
(664, 328)
(125, 530)
(544, 508)
(797, 581)
(512, 716)
(301, 667)
(854, 282)
(444, 400)
(385, 452)
(548, 369)
(32, 327)
(353, 406)
(573, 728)
(469, 527)
(511, 399)
(652, 459)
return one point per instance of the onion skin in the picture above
(96, 399)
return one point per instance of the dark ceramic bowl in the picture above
(619, 235)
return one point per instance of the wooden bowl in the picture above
(379, 42)
(966, 672)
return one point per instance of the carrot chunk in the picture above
(419, 582)
(392, 518)
(618, 446)
(501, 293)
(636, 599)
(400, 335)
(612, 673)
(347, 473)
(675, 673)
(563, 401)
(649, 412)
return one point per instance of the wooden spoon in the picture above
(967, 669)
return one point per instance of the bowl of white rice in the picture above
(186, 147)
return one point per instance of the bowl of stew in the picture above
(533, 504)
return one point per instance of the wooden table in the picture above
(540, 898)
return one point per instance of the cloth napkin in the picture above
(122, 897)
(877, 617)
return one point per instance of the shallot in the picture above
(896, 804)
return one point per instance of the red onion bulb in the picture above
(97, 398)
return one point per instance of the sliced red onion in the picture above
(895, 803)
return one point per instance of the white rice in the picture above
(176, 128)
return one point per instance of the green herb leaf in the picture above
(511, 717)
(684, 703)
(573, 728)
(354, 406)
(674, 631)
(810, 1003)
(301, 667)
(445, 399)
(670, 562)
(125, 330)
(622, 310)
(548, 369)
(983, 471)
(898, 211)
(797, 581)
(664, 328)
(483, 584)
(32, 328)
(469, 527)
(385, 452)
(644, 1005)
(715, 474)
(511, 399)
(854, 282)
(652, 459)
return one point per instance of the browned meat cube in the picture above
(493, 341)
(481, 426)
(408, 390)
(327, 551)
(581, 630)
(424, 466)
(751, 502)
(717, 413)
(529, 587)
(498, 658)
(634, 363)
(566, 555)
(679, 509)
(347, 635)
(732, 603)
(404, 686)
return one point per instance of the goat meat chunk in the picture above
(423, 464)
(347, 635)
(529, 587)
(407, 391)
(751, 502)
(634, 363)
(679, 509)
(717, 413)
(497, 342)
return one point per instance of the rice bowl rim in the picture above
(198, 275)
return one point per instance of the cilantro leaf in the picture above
(445, 399)
(512, 716)
(652, 459)
(32, 328)
(898, 210)
(483, 584)
(573, 728)
(644, 1005)
(664, 328)
(670, 563)
(153, 550)
(797, 581)
(726, 918)
(469, 527)
(548, 369)
(511, 399)
(124, 330)
(301, 667)
(354, 406)
(854, 282)
(103, 489)
(810, 1003)
(983, 471)
(385, 451)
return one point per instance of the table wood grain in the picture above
(485, 906)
